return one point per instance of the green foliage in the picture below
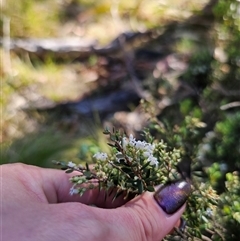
(199, 69)
(36, 149)
(225, 142)
(227, 11)
(32, 18)
(227, 132)
(132, 166)
(187, 107)
(185, 136)
(229, 207)
(216, 174)
(135, 166)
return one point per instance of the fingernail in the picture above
(172, 196)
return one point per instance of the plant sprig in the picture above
(136, 166)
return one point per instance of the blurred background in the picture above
(72, 67)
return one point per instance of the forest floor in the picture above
(154, 42)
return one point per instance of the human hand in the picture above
(36, 205)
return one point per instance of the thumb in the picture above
(152, 216)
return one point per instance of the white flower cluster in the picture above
(145, 147)
(73, 190)
(71, 164)
(101, 156)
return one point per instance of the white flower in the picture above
(71, 164)
(101, 156)
(147, 154)
(153, 160)
(140, 145)
(209, 212)
(132, 140)
(150, 147)
(148, 150)
(73, 191)
(124, 142)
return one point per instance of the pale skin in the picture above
(36, 205)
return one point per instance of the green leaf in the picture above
(106, 132)
(110, 144)
(100, 187)
(153, 178)
(148, 173)
(105, 195)
(110, 191)
(87, 174)
(145, 165)
(140, 186)
(87, 167)
(134, 164)
(118, 193)
(69, 171)
(120, 156)
(127, 169)
(150, 188)
(113, 137)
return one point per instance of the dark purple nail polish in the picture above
(172, 196)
